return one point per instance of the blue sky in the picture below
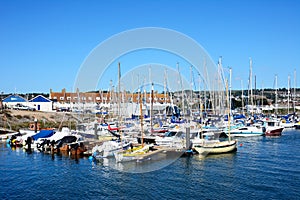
(44, 43)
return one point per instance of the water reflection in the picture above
(156, 162)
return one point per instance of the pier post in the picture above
(95, 130)
(187, 138)
(35, 125)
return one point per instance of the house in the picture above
(13, 100)
(41, 103)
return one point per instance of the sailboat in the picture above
(108, 148)
(137, 153)
(211, 143)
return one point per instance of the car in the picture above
(19, 106)
(62, 109)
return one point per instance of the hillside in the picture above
(17, 119)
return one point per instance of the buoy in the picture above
(241, 144)
(91, 158)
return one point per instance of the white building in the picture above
(41, 103)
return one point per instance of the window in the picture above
(61, 98)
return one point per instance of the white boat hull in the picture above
(247, 131)
(245, 134)
(217, 148)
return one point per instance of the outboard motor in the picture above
(28, 143)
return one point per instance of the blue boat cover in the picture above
(43, 134)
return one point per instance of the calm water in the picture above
(262, 168)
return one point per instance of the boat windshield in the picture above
(211, 136)
(170, 134)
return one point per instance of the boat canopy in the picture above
(43, 134)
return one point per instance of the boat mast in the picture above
(294, 99)
(250, 84)
(119, 98)
(230, 74)
(276, 94)
(200, 100)
(151, 102)
(262, 95)
(119, 90)
(151, 108)
(228, 106)
(242, 96)
(217, 89)
(182, 92)
(191, 76)
(289, 94)
(165, 86)
(219, 97)
(204, 85)
(141, 116)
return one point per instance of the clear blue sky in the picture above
(43, 43)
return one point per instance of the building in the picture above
(104, 97)
(13, 100)
(41, 103)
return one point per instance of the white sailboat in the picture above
(136, 153)
(109, 147)
(211, 143)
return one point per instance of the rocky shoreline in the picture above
(13, 120)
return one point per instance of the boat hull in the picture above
(217, 148)
(274, 132)
(246, 134)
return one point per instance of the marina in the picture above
(188, 148)
(262, 168)
(150, 100)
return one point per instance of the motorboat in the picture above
(212, 145)
(273, 128)
(108, 148)
(248, 131)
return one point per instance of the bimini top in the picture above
(43, 134)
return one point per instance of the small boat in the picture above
(71, 143)
(137, 154)
(108, 148)
(212, 145)
(297, 125)
(287, 124)
(248, 131)
(273, 128)
(5, 137)
(173, 139)
(43, 144)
